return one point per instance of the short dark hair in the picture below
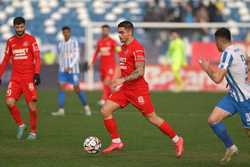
(106, 26)
(126, 24)
(18, 20)
(223, 33)
(65, 28)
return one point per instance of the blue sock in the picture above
(221, 132)
(61, 99)
(82, 97)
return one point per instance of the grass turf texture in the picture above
(60, 138)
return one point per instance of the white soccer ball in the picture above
(92, 145)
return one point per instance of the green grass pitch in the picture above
(60, 138)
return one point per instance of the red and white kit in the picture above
(24, 55)
(135, 91)
(105, 50)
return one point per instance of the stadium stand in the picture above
(46, 17)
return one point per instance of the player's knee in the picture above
(32, 106)
(211, 120)
(152, 118)
(105, 112)
(10, 102)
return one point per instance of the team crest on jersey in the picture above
(126, 51)
(26, 43)
(123, 63)
(141, 100)
(31, 86)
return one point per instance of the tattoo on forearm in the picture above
(136, 73)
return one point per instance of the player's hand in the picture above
(37, 79)
(204, 64)
(68, 69)
(116, 82)
(90, 66)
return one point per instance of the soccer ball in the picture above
(92, 145)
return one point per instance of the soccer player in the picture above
(23, 52)
(105, 51)
(233, 66)
(176, 51)
(134, 90)
(69, 72)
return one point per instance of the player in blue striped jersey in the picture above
(234, 67)
(69, 72)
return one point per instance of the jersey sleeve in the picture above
(6, 59)
(36, 53)
(225, 60)
(96, 53)
(138, 54)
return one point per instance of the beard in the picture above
(19, 33)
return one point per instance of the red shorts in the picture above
(138, 98)
(107, 73)
(17, 88)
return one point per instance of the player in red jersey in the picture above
(134, 90)
(105, 51)
(23, 53)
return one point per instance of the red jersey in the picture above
(24, 54)
(106, 50)
(129, 55)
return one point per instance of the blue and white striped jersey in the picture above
(233, 59)
(69, 55)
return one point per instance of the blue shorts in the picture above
(228, 104)
(73, 78)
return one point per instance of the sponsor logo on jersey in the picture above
(20, 53)
(105, 51)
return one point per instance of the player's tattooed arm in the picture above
(138, 72)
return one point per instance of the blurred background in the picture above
(157, 22)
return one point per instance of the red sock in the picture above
(166, 129)
(111, 127)
(33, 121)
(106, 92)
(15, 113)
